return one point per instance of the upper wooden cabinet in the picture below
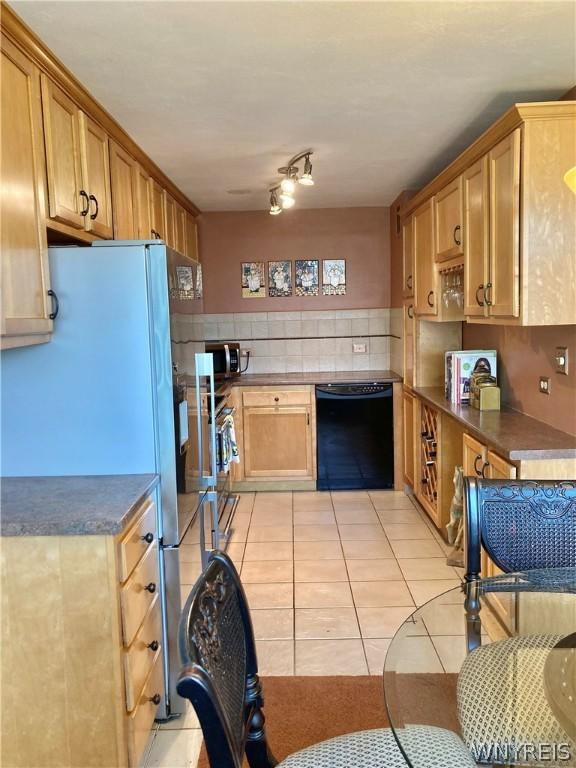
(408, 258)
(96, 177)
(158, 210)
(77, 165)
(124, 193)
(67, 199)
(144, 204)
(518, 218)
(170, 228)
(191, 245)
(26, 306)
(426, 291)
(448, 221)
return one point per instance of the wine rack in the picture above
(429, 450)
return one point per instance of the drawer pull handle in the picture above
(154, 645)
(488, 294)
(156, 699)
(457, 239)
(150, 587)
(478, 471)
(484, 468)
(409, 282)
(55, 305)
(148, 538)
(95, 201)
(410, 311)
(430, 296)
(480, 288)
(276, 399)
(86, 199)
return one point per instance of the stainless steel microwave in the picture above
(226, 359)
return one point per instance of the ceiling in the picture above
(220, 94)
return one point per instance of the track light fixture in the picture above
(287, 186)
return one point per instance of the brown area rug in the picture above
(301, 711)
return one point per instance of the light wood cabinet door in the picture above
(158, 210)
(502, 293)
(67, 199)
(24, 254)
(499, 468)
(179, 228)
(170, 229)
(448, 217)
(426, 299)
(408, 342)
(278, 442)
(124, 193)
(408, 258)
(408, 438)
(476, 238)
(191, 247)
(144, 204)
(474, 461)
(95, 159)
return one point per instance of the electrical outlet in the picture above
(544, 385)
(244, 352)
(561, 358)
(359, 348)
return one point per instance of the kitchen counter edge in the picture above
(323, 377)
(72, 505)
(514, 435)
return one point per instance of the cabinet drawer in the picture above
(137, 540)
(141, 719)
(138, 659)
(276, 397)
(137, 594)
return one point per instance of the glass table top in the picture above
(493, 662)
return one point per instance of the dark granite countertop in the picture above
(512, 434)
(72, 505)
(339, 377)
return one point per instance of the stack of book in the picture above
(459, 366)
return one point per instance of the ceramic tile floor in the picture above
(329, 578)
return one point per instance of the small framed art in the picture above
(253, 282)
(334, 277)
(306, 277)
(279, 278)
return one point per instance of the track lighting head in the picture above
(287, 200)
(275, 208)
(306, 178)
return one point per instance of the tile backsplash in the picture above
(310, 341)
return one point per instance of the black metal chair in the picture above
(220, 679)
(524, 526)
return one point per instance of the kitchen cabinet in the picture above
(408, 258)
(170, 228)
(408, 434)
(95, 161)
(426, 278)
(124, 193)
(68, 201)
(26, 305)
(408, 340)
(144, 204)
(476, 238)
(191, 235)
(448, 218)
(158, 210)
(86, 609)
(179, 228)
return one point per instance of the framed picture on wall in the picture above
(253, 281)
(279, 278)
(306, 277)
(334, 277)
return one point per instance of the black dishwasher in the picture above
(355, 436)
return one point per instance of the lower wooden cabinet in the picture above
(408, 437)
(82, 670)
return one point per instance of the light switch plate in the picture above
(544, 385)
(561, 358)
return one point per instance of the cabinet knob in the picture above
(409, 282)
(479, 301)
(457, 229)
(276, 399)
(488, 295)
(148, 538)
(154, 645)
(95, 201)
(430, 295)
(84, 196)
(150, 588)
(156, 699)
